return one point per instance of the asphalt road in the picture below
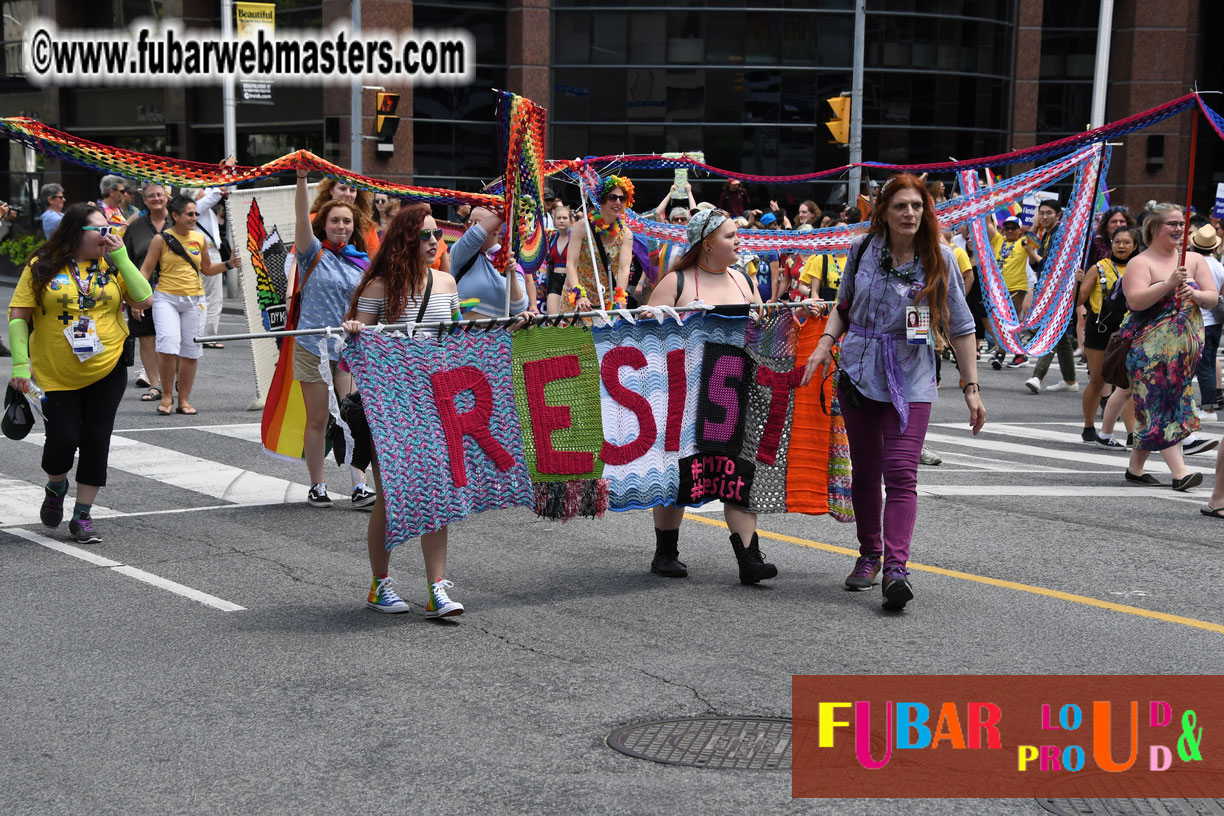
(123, 696)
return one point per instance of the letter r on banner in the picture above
(474, 423)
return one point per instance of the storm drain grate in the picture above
(1134, 807)
(725, 743)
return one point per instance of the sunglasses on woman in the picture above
(618, 197)
(436, 234)
(103, 231)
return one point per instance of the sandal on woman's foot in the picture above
(187, 409)
(1214, 512)
(165, 410)
(154, 393)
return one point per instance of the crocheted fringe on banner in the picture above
(567, 500)
(840, 505)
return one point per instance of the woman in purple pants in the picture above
(895, 289)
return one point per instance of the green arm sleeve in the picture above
(138, 288)
(19, 341)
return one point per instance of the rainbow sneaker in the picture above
(384, 598)
(440, 605)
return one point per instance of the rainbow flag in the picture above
(1012, 210)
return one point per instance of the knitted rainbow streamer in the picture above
(837, 239)
(1107, 131)
(520, 127)
(574, 421)
(1053, 303)
(183, 173)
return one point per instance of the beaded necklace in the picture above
(886, 263)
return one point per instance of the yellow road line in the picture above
(996, 582)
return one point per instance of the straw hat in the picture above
(1205, 238)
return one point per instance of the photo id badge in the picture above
(917, 325)
(83, 338)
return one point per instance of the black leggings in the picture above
(83, 420)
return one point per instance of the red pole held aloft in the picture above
(1194, 112)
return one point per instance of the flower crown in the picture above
(611, 183)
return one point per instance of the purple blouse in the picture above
(875, 341)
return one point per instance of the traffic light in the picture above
(839, 126)
(386, 122)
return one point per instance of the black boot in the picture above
(667, 552)
(752, 566)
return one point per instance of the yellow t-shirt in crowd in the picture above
(54, 365)
(962, 259)
(176, 275)
(1013, 260)
(814, 270)
(1112, 273)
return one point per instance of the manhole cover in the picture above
(730, 743)
(1134, 807)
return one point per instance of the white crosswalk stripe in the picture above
(20, 500)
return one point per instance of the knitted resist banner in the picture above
(445, 427)
(574, 421)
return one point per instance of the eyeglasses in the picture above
(683, 219)
(618, 197)
(52, 198)
(104, 230)
(435, 234)
(119, 190)
(1175, 224)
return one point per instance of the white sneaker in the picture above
(142, 379)
(384, 598)
(1206, 416)
(440, 605)
(929, 457)
(1033, 384)
(1064, 386)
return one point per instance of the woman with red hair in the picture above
(400, 287)
(899, 272)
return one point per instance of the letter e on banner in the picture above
(547, 418)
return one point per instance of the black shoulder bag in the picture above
(854, 398)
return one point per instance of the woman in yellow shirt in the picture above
(1098, 281)
(67, 334)
(181, 258)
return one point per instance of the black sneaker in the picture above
(52, 510)
(317, 497)
(1130, 441)
(1089, 435)
(363, 497)
(896, 588)
(1109, 442)
(1198, 444)
(1019, 361)
(1145, 479)
(996, 363)
(83, 532)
